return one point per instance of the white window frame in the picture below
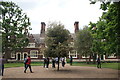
(31, 45)
(34, 56)
(12, 55)
(85, 57)
(73, 54)
(112, 56)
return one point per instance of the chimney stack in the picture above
(76, 26)
(42, 33)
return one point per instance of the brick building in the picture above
(37, 44)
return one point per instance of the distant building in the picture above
(76, 55)
(34, 48)
(37, 44)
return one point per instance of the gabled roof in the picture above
(31, 38)
(73, 35)
(37, 37)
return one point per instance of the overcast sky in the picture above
(65, 11)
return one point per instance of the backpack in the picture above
(25, 61)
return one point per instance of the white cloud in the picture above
(66, 11)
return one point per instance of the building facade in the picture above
(37, 44)
(78, 57)
(34, 48)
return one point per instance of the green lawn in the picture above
(8, 65)
(104, 65)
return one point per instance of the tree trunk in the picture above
(58, 63)
(6, 46)
(94, 58)
(6, 55)
(89, 59)
(86, 59)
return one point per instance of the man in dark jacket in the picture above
(98, 62)
(47, 62)
(28, 64)
(63, 62)
(2, 61)
(53, 63)
(71, 60)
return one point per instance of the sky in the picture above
(64, 11)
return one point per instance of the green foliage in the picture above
(57, 41)
(106, 33)
(104, 3)
(14, 27)
(98, 37)
(83, 42)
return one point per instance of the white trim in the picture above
(85, 57)
(69, 54)
(12, 55)
(31, 45)
(112, 56)
(36, 51)
(73, 54)
(103, 57)
(43, 56)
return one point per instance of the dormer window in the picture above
(31, 45)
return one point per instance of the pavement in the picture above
(66, 72)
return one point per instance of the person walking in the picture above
(71, 60)
(98, 62)
(53, 63)
(63, 62)
(47, 62)
(2, 61)
(56, 60)
(25, 61)
(28, 64)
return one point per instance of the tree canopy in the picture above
(15, 26)
(83, 42)
(106, 30)
(57, 41)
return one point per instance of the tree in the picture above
(97, 31)
(107, 28)
(57, 41)
(14, 27)
(83, 42)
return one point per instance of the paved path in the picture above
(66, 72)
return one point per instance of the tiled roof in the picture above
(37, 37)
(31, 39)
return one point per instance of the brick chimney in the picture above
(76, 26)
(42, 32)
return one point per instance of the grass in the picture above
(112, 65)
(104, 65)
(9, 65)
